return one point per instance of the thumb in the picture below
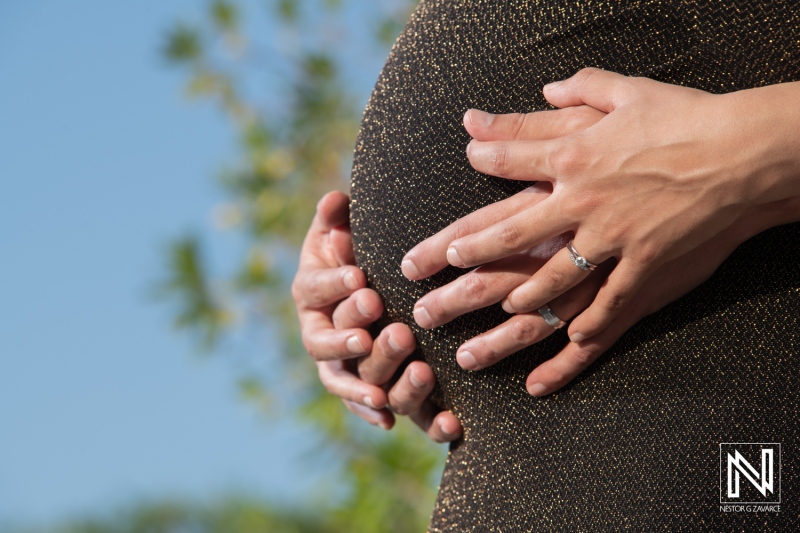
(333, 210)
(342, 243)
(601, 89)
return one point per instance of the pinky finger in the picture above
(440, 426)
(376, 417)
(445, 427)
(340, 382)
(616, 293)
(555, 373)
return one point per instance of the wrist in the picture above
(762, 217)
(767, 146)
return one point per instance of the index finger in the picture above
(538, 125)
(333, 210)
(513, 234)
(430, 256)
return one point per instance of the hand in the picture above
(490, 283)
(672, 280)
(482, 287)
(668, 168)
(334, 308)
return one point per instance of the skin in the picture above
(335, 308)
(659, 191)
(726, 175)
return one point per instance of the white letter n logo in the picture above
(737, 464)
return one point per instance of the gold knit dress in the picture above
(633, 444)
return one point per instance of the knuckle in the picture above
(474, 288)
(325, 379)
(509, 236)
(517, 123)
(296, 292)
(313, 348)
(500, 161)
(581, 117)
(400, 405)
(646, 254)
(585, 74)
(555, 279)
(309, 346)
(583, 357)
(463, 228)
(315, 290)
(615, 300)
(577, 206)
(567, 159)
(523, 331)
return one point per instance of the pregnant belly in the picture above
(641, 427)
(411, 176)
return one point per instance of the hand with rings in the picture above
(642, 188)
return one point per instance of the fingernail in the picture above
(467, 360)
(537, 389)
(507, 307)
(444, 430)
(452, 257)
(385, 426)
(552, 85)
(415, 380)
(577, 337)
(469, 147)
(361, 308)
(354, 345)
(409, 269)
(368, 402)
(393, 345)
(422, 317)
(481, 118)
(350, 281)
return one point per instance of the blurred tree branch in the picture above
(291, 150)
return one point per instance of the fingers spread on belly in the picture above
(430, 256)
(540, 125)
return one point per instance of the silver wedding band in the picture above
(550, 317)
(578, 260)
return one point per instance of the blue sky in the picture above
(102, 160)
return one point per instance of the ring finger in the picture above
(522, 330)
(556, 277)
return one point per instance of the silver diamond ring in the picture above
(579, 261)
(550, 317)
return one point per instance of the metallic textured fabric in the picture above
(633, 443)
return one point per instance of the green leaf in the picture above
(224, 15)
(183, 44)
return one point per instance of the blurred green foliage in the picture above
(296, 134)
